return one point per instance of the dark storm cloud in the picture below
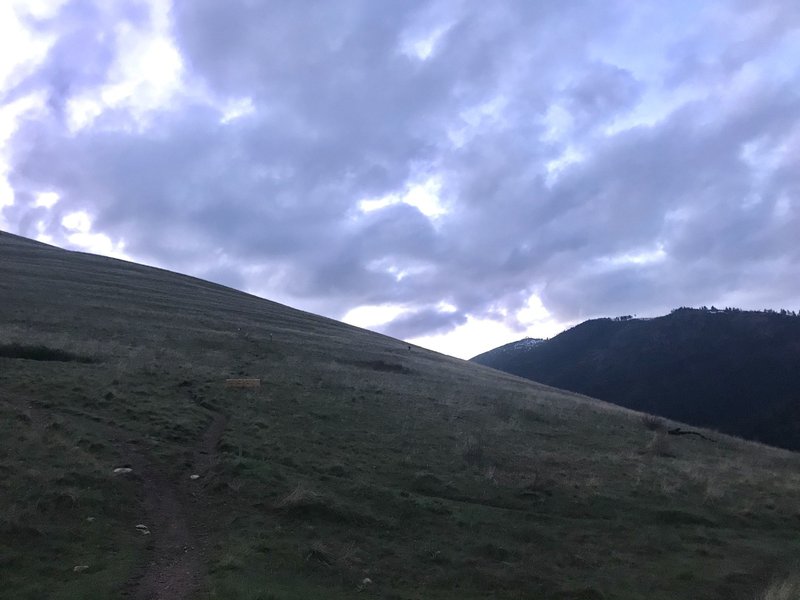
(518, 115)
(423, 322)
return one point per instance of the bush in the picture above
(40, 352)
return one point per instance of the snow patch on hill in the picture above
(526, 343)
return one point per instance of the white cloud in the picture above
(47, 200)
(480, 335)
(373, 316)
(237, 108)
(22, 49)
(81, 237)
(424, 196)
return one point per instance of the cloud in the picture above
(578, 157)
(428, 321)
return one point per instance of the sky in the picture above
(455, 173)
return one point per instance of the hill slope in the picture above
(735, 371)
(360, 467)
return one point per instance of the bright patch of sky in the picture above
(480, 335)
(399, 269)
(146, 78)
(570, 156)
(642, 257)
(373, 316)
(237, 108)
(20, 51)
(422, 47)
(423, 196)
(558, 121)
(46, 199)
(421, 37)
(81, 237)
(6, 198)
(21, 48)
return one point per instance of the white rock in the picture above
(143, 529)
(80, 568)
(194, 476)
(366, 581)
(90, 519)
(122, 470)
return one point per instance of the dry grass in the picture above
(504, 409)
(300, 498)
(660, 445)
(473, 449)
(786, 589)
(653, 423)
(342, 555)
(319, 552)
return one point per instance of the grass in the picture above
(357, 459)
(784, 589)
(654, 423)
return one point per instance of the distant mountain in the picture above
(731, 370)
(520, 346)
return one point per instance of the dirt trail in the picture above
(176, 565)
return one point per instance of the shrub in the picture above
(40, 352)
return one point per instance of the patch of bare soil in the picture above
(177, 563)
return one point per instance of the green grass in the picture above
(356, 459)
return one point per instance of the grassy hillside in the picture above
(736, 371)
(360, 468)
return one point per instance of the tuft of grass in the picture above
(473, 449)
(504, 409)
(660, 445)
(320, 553)
(653, 423)
(305, 503)
(300, 498)
(786, 589)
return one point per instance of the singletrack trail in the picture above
(177, 564)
